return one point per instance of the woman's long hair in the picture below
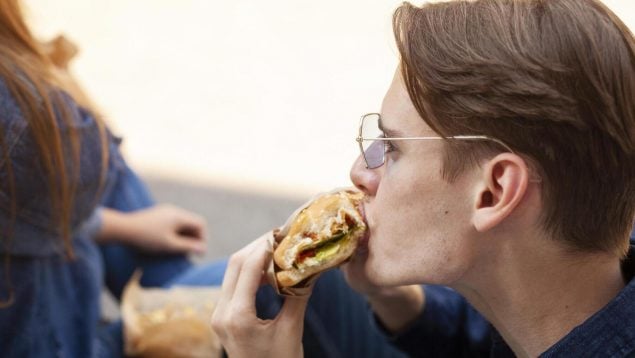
(29, 77)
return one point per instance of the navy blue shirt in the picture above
(450, 327)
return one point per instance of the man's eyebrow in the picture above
(389, 132)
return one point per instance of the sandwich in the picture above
(321, 236)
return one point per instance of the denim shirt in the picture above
(450, 327)
(55, 311)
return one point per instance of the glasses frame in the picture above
(360, 139)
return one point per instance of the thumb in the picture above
(192, 229)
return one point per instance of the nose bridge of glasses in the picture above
(373, 153)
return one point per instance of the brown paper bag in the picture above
(171, 322)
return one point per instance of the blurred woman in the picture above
(58, 162)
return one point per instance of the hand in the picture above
(160, 228)
(241, 332)
(355, 274)
(396, 307)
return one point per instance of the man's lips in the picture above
(363, 240)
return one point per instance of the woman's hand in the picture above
(241, 332)
(161, 228)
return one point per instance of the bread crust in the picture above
(323, 219)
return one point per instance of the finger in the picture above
(359, 256)
(190, 240)
(186, 222)
(222, 312)
(233, 270)
(217, 322)
(356, 261)
(187, 245)
(196, 233)
(251, 274)
(193, 226)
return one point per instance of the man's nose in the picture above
(366, 180)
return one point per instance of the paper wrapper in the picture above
(301, 289)
(274, 237)
(172, 322)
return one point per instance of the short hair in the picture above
(554, 80)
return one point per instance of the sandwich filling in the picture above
(322, 251)
(320, 236)
(314, 248)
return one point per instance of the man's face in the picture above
(419, 223)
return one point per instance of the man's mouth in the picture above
(363, 241)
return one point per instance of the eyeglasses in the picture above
(372, 140)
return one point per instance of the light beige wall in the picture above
(242, 93)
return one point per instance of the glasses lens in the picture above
(374, 154)
(373, 149)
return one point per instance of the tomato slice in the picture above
(305, 254)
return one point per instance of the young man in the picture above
(507, 173)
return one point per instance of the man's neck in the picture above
(534, 295)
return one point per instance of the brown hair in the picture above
(553, 79)
(27, 74)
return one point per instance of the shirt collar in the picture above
(609, 332)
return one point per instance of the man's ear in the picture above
(501, 188)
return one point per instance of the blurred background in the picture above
(234, 108)
(239, 110)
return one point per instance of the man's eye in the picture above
(389, 146)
